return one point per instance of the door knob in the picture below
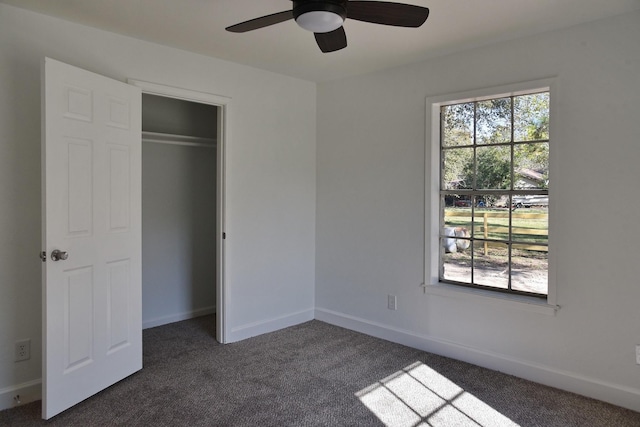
(58, 255)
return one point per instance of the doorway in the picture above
(182, 205)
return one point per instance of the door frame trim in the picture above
(223, 103)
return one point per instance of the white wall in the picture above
(178, 232)
(270, 186)
(370, 211)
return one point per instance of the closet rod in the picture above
(173, 139)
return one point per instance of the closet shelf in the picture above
(173, 139)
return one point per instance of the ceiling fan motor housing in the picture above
(330, 13)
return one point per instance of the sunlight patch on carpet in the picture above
(418, 396)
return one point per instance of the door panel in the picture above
(119, 283)
(79, 315)
(79, 180)
(92, 306)
(119, 188)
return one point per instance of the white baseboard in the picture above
(616, 394)
(177, 317)
(269, 325)
(28, 392)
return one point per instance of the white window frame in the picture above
(432, 283)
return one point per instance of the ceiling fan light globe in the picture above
(320, 21)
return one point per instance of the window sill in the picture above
(518, 302)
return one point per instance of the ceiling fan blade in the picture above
(263, 21)
(332, 41)
(387, 13)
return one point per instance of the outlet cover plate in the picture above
(23, 350)
(392, 302)
(638, 354)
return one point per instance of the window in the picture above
(490, 191)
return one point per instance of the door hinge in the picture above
(43, 256)
(224, 235)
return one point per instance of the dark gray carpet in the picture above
(316, 374)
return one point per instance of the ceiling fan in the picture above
(325, 18)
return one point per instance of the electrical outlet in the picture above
(638, 354)
(23, 350)
(392, 302)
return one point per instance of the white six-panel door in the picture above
(92, 309)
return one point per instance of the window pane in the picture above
(457, 218)
(528, 201)
(530, 227)
(491, 224)
(493, 169)
(529, 271)
(457, 171)
(483, 201)
(457, 201)
(456, 267)
(531, 169)
(457, 124)
(491, 264)
(493, 121)
(491, 202)
(531, 117)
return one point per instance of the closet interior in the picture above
(178, 209)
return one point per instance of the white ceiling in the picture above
(199, 26)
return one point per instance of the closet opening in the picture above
(181, 212)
